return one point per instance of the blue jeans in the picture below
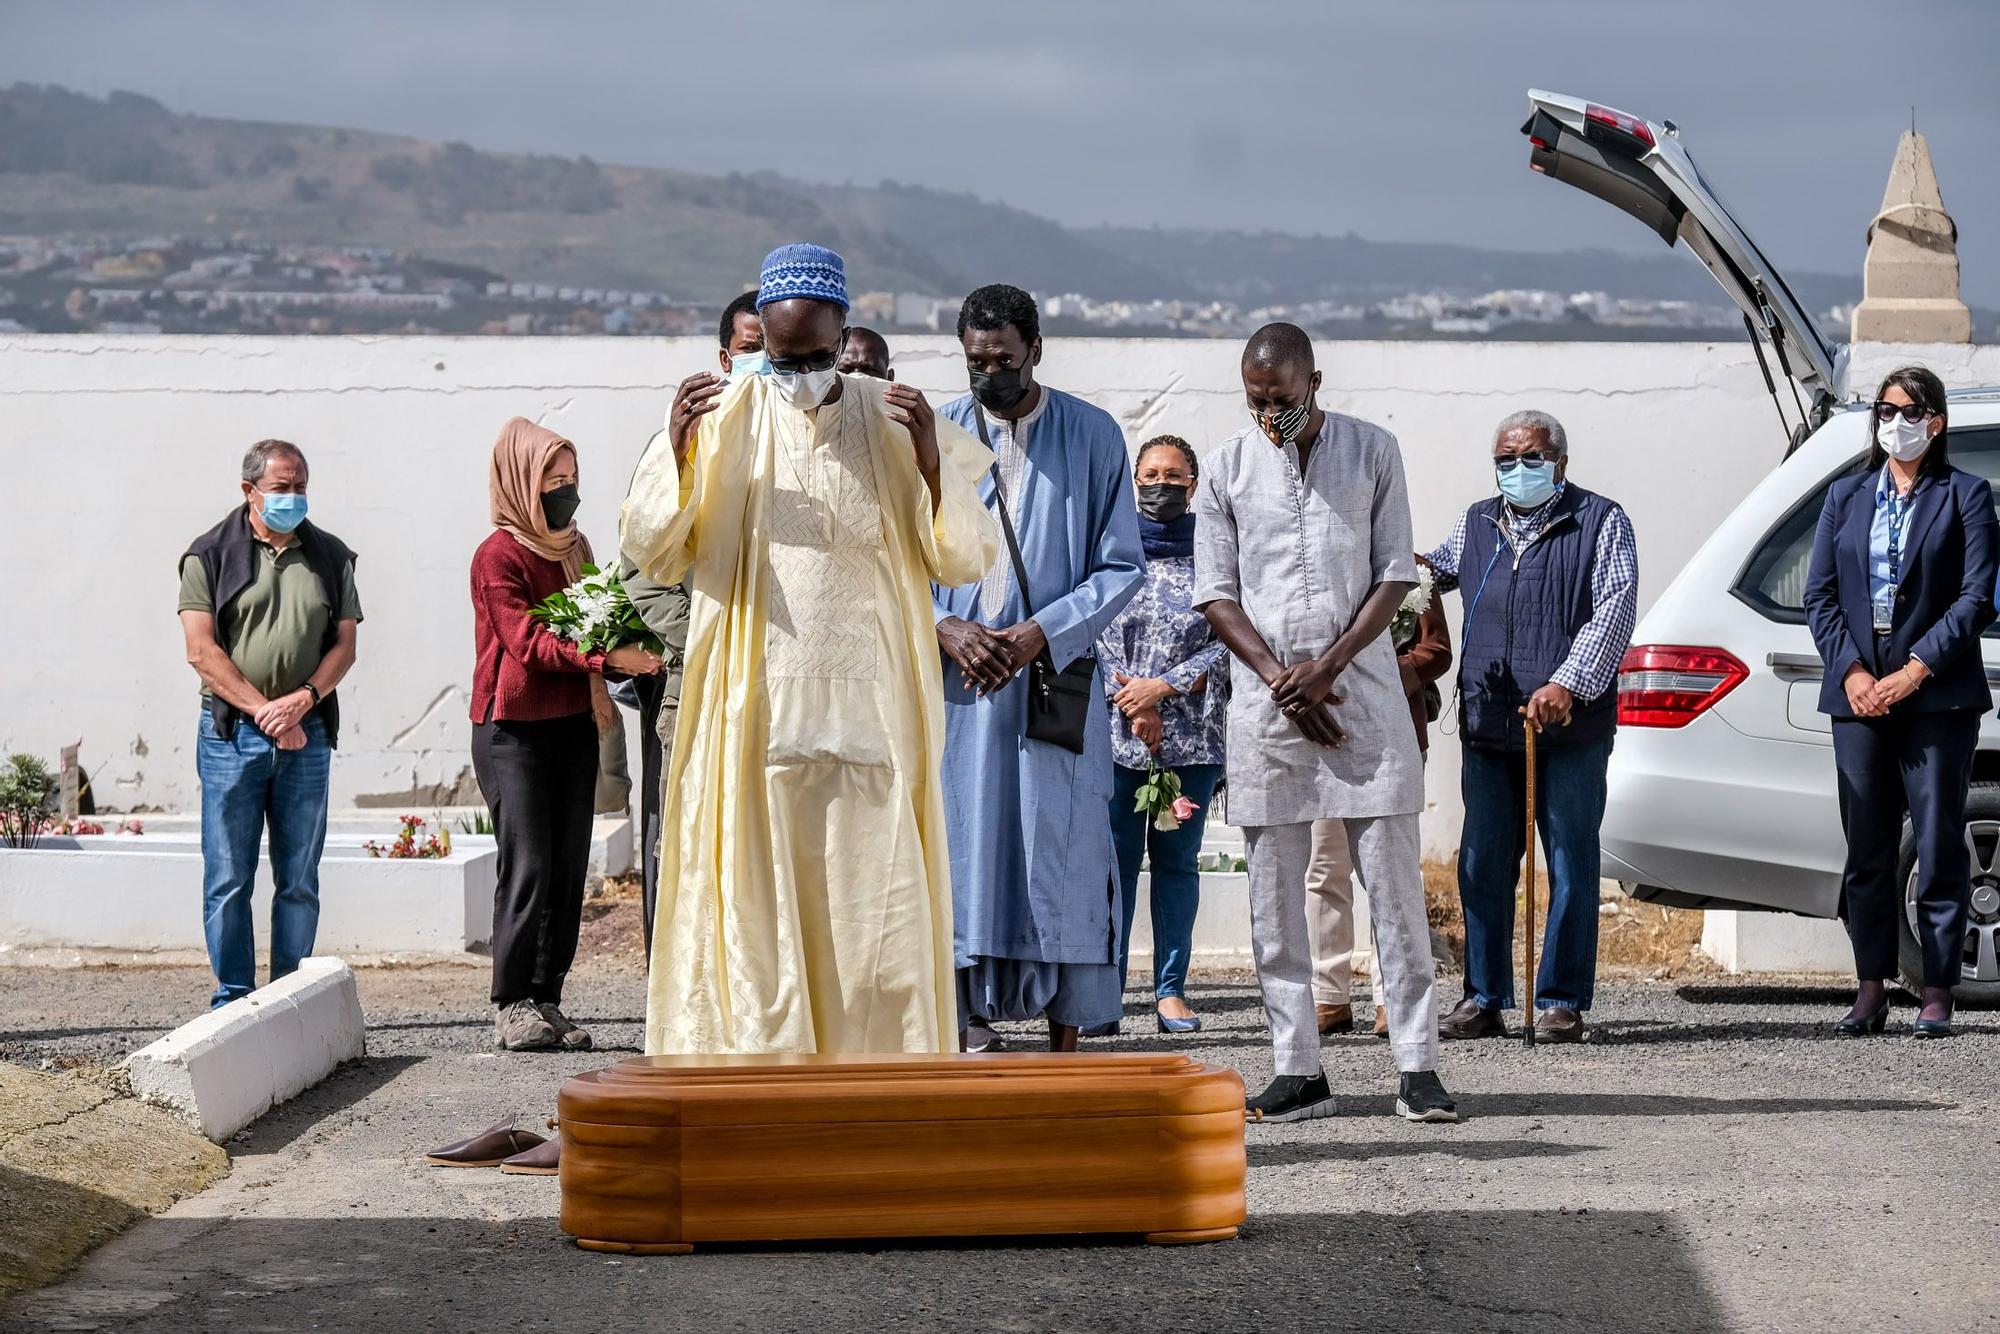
(245, 782)
(1176, 878)
(1569, 808)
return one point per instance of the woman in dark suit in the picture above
(1900, 587)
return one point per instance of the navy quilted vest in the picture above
(1520, 621)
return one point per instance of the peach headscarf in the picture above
(520, 456)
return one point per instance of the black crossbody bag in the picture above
(1059, 702)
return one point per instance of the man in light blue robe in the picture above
(1034, 882)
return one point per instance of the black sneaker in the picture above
(1420, 1096)
(1291, 1098)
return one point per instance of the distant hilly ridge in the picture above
(126, 167)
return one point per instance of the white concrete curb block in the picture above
(227, 1068)
(1775, 942)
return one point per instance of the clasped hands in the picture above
(988, 658)
(1304, 694)
(279, 719)
(1873, 697)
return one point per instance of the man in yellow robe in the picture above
(805, 882)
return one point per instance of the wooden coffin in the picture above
(661, 1152)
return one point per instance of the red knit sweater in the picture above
(522, 672)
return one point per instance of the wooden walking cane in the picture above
(1528, 895)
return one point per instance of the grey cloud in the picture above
(1394, 121)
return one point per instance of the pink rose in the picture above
(1184, 809)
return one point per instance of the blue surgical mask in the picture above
(1528, 483)
(748, 363)
(282, 513)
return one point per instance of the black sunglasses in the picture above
(1513, 461)
(1910, 412)
(818, 361)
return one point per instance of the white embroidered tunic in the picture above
(1299, 552)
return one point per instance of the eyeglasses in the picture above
(1910, 412)
(818, 361)
(1529, 461)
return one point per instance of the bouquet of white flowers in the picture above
(595, 614)
(1403, 625)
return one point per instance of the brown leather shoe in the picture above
(540, 1161)
(1335, 1018)
(489, 1148)
(1471, 1020)
(1381, 1029)
(1559, 1023)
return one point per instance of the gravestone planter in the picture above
(143, 893)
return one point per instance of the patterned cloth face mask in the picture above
(1282, 428)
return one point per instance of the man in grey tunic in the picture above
(1302, 555)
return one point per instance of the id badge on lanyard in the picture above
(1885, 598)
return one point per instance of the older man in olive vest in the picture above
(269, 612)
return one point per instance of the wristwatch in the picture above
(312, 690)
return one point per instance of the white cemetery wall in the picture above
(119, 450)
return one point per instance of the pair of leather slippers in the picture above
(515, 1152)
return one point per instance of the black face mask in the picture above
(999, 391)
(559, 506)
(1163, 502)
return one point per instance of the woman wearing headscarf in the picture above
(1167, 708)
(534, 734)
(1899, 590)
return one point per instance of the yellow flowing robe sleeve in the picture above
(962, 540)
(669, 511)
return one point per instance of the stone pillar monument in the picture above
(1910, 282)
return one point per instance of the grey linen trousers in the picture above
(1387, 859)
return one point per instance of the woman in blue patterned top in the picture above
(1167, 702)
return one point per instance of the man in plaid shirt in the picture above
(1549, 576)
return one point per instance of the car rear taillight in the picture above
(1604, 123)
(1667, 685)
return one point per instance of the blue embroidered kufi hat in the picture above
(811, 272)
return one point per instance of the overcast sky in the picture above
(1394, 121)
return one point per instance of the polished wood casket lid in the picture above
(790, 1089)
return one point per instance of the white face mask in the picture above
(1904, 441)
(804, 390)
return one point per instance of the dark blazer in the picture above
(1950, 544)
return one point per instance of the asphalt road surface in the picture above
(1715, 1159)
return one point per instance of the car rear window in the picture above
(1774, 579)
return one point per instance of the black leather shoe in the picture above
(1930, 1028)
(1856, 1024)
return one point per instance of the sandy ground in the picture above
(1714, 1160)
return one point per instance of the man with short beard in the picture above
(1033, 872)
